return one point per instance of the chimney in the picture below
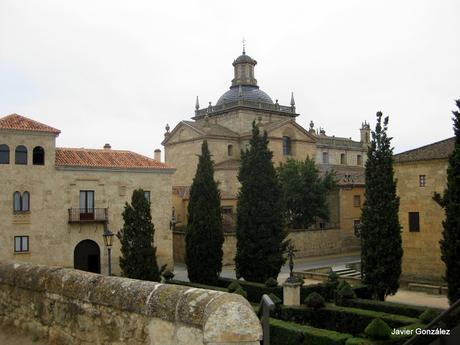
(157, 155)
(107, 147)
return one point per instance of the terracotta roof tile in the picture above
(21, 123)
(93, 158)
(439, 150)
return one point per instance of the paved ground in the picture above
(299, 265)
(335, 261)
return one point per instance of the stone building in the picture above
(227, 128)
(56, 202)
(420, 173)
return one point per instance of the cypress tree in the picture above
(260, 232)
(204, 236)
(138, 258)
(381, 231)
(450, 201)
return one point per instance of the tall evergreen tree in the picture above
(138, 258)
(260, 232)
(381, 231)
(204, 236)
(305, 192)
(450, 201)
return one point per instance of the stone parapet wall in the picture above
(307, 242)
(75, 307)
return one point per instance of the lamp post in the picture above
(108, 240)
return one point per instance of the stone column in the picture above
(291, 293)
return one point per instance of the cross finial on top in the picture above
(244, 45)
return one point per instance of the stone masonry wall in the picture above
(75, 307)
(307, 242)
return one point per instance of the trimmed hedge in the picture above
(287, 333)
(386, 307)
(196, 285)
(340, 319)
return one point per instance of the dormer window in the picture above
(20, 155)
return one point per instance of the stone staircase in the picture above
(346, 272)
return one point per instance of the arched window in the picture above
(21, 203)
(17, 202)
(286, 146)
(230, 150)
(21, 155)
(4, 154)
(38, 156)
(25, 202)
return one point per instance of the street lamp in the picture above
(108, 241)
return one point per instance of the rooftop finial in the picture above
(244, 46)
(292, 99)
(197, 104)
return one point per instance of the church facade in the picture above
(227, 128)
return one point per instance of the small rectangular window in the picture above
(357, 200)
(414, 222)
(230, 150)
(325, 158)
(422, 180)
(21, 244)
(343, 159)
(359, 160)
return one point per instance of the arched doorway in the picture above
(87, 256)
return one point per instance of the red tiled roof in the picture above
(92, 158)
(21, 123)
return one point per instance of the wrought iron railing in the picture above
(449, 321)
(86, 215)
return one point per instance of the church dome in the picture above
(244, 85)
(249, 92)
(243, 58)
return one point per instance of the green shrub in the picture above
(346, 292)
(275, 299)
(315, 301)
(271, 282)
(288, 333)
(168, 275)
(234, 286)
(332, 277)
(378, 329)
(428, 315)
(358, 341)
(241, 292)
(339, 319)
(386, 307)
(342, 284)
(196, 285)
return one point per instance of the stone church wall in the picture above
(67, 306)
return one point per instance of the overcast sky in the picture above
(117, 71)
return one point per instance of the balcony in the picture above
(94, 215)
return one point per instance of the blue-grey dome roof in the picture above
(244, 59)
(251, 93)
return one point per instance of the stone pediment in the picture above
(190, 130)
(286, 127)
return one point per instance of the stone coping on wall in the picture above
(218, 317)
